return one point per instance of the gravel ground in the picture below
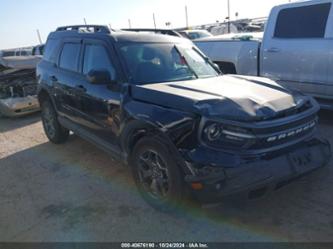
(75, 192)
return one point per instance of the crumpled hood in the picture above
(233, 97)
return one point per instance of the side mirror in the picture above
(99, 77)
(217, 67)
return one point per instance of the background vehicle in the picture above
(21, 58)
(18, 83)
(38, 50)
(195, 34)
(296, 50)
(156, 31)
(157, 103)
(18, 92)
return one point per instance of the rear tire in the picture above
(54, 131)
(157, 175)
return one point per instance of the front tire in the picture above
(53, 129)
(157, 175)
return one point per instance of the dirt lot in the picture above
(75, 192)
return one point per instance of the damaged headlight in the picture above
(213, 132)
(219, 135)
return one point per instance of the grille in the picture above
(294, 132)
(29, 90)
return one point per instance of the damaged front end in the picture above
(18, 89)
(254, 158)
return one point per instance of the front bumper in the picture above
(254, 176)
(14, 107)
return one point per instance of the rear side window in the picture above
(69, 57)
(96, 58)
(7, 54)
(303, 22)
(50, 49)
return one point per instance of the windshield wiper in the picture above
(208, 61)
(187, 64)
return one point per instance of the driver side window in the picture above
(96, 58)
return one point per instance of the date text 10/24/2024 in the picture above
(164, 245)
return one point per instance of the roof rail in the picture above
(86, 28)
(157, 31)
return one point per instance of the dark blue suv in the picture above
(161, 106)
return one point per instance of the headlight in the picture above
(213, 132)
(219, 135)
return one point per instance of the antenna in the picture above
(39, 37)
(229, 17)
(154, 20)
(129, 23)
(186, 16)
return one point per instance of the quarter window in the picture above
(96, 58)
(70, 56)
(303, 22)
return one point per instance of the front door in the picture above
(99, 103)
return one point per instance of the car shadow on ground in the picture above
(54, 193)
(18, 122)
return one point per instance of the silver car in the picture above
(18, 92)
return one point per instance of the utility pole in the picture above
(229, 17)
(154, 20)
(39, 37)
(129, 23)
(186, 16)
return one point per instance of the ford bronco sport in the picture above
(161, 106)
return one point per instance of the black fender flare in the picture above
(44, 93)
(144, 118)
(138, 129)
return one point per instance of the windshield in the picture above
(156, 63)
(199, 34)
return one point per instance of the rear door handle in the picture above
(273, 50)
(80, 88)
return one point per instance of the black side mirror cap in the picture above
(99, 77)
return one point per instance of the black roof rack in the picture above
(157, 31)
(86, 28)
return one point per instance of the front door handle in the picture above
(80, 88)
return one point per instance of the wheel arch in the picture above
(134, 131)
(226, 67)
(43, 95)
(145, 119)
(138, 130)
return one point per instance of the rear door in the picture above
(66, 77)
(295, 47)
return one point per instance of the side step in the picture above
(113, 150)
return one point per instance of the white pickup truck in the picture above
(296, 49)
